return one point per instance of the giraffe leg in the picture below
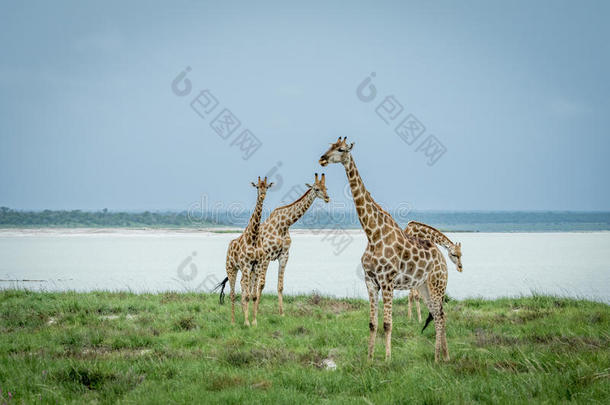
(232, 278)
(373, 290)
(245, 294)
(439, 326)
(260, 270)
(280, 280)
(439, 285)
(387, 295)
(444, 339)
(409, 305)
(435, 306)
(418, 305)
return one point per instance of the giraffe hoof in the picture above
(246, 323)
(254, 323)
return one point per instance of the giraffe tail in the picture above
(430, 317)
(221, 285)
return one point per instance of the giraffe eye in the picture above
(341, 150)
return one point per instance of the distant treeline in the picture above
(10, 218)
(316, 218)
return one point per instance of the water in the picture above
(325, 216)
(571, 264)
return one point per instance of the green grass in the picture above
(181, 348)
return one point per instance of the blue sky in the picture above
(518, 94)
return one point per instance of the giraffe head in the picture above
(319, 187)
(262, 186)
(455, 254)
(338, 152)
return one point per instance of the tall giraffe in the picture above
(423, 231)
(273, 242)
(240, 249)
(392, 260)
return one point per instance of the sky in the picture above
(511, 102)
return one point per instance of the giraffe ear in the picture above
(351, 146)
(308, 185)
(270, 184)
(253, 184)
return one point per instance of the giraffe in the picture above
(273, 242)
(240, 249)
(423, 231)
(392, 260)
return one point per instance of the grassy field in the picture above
(178, 348)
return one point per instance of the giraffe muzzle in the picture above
(323, 161)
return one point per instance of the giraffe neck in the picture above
(296, 210)
(432, 234)
(362, 199)
(251, 231)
